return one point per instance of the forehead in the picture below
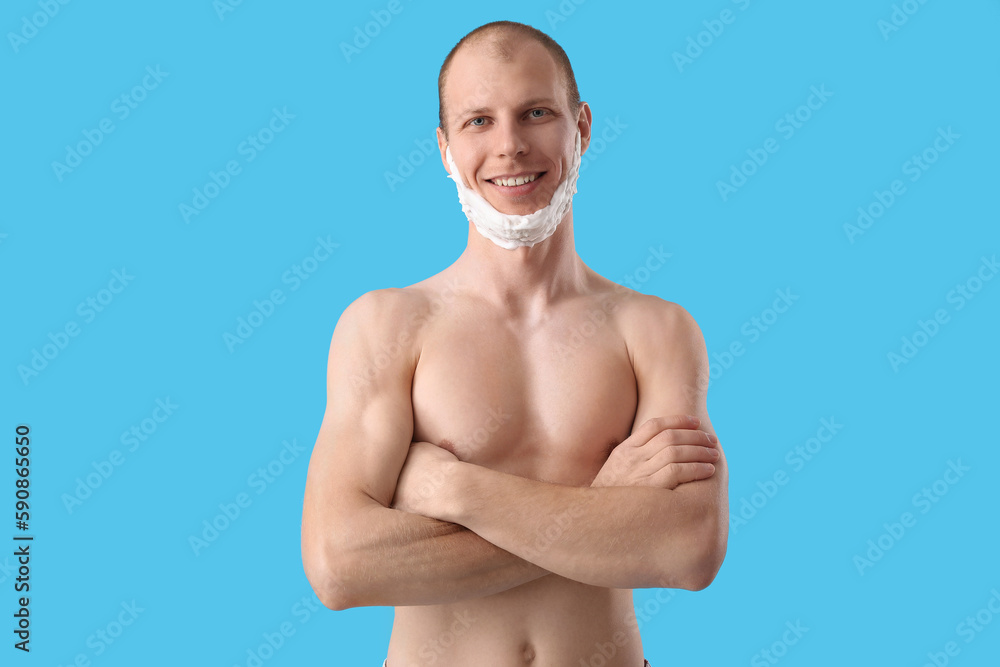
(479, 77)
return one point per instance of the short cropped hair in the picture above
(503, 37)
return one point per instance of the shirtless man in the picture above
(500, 478)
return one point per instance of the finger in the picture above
(683, 454)
(676, 474)
(682, 437)
(651, 427)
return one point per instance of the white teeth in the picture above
(520, 180)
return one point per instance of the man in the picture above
(505, 452)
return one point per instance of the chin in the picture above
(526, 210)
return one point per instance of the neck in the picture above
(524, 281)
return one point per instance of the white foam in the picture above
(514, 231)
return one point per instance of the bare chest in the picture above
(547, 404)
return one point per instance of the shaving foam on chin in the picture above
(514, 231)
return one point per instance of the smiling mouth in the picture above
(515, 181)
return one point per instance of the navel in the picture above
(528, 652)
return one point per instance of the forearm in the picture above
(614, 537)
(395, 558)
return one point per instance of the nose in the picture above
(510, 141)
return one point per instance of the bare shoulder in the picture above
(668, 354)
(381, 306)
(383, 313)
(663, 339)
(387, 326)
(649, 322)
(393, 305)
(374, 334)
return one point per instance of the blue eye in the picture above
(473, 121)
(541, 111)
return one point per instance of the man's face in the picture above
(509, 123)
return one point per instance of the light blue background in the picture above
(655, 185)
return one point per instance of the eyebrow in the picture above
(530, 103)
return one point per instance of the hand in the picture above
(422, 479)
(664, 452)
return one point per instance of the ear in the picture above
(584, 123)
(443, 147)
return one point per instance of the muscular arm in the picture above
(616, 537)
(356, 551)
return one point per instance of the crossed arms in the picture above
(655, 516)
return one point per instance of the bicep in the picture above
(367, 427)
(670, 363)
(671, 367)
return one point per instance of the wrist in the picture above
(450, 499)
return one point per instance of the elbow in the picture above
(327, 575)
(709, 551)
(331, 594)
(697, 559)
(328, 586)
(335, 601)
(703, 574)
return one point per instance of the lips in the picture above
(521, 185)
(513, 181)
